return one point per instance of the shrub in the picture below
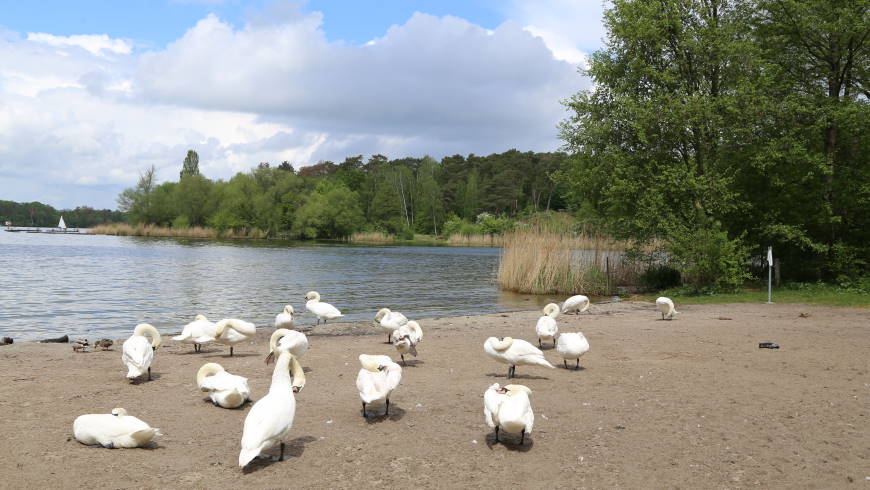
(659, 277)
(708, 260)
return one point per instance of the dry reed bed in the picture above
(371, 237)
(484, 240)
(539, 262)
(162, 231)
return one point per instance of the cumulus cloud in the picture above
(571, 29)
(89, 112)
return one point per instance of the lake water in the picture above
(95, 285)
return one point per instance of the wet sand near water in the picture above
(688, 403)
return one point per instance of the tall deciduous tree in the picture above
(190, 165)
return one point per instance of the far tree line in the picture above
(333, 200)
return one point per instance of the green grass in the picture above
(853, 295)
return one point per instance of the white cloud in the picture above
(571, 29)
(78, 125)
(93, 43)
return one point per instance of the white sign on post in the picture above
(769, 273)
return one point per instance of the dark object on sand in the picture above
(768, 345)
(6, 340)
(59, 340)
(104, 343)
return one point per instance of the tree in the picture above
(137, 201)
(190, 165)
(332, 211)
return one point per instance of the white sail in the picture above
(61, 224)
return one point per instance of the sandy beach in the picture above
(688, 403)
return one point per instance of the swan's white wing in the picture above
(293, 342)
(137, 352)
(370, 386)
(324, 310)
(269, 420)
(546, 327)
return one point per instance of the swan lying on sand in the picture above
(514, 352)
(546, 328)
(113, 430)
(509, 409)
(323, 311)
(225, 389)
(376, 380)
(137, 353)
(197, 332)
(578, 303)
(572, 345)
(666, 307)
(271, 418)
(389, 321)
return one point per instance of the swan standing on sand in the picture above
(225, 389)
(271, 418)
(323, 311)
(389, 321)
(137, 353)
(283, 340)
(197, 332)
(406, 338)
(546, 327)
(666, 306)
(572, 345)
(578, 303)
(514, 352)
(231, 331)
(509, 409)
(285, 318)
(112, 430)
(376, 380)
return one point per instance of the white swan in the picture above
(112, 430)
(578, 303)
(572, 345)
(377, 379)
(546, 328)
(284, 340)
(509, 409)
(389, 321)
(406, 338)
(666, 306)
(197, 332)
(231, 331)
(137, 352)
(323, 311)
(285, 318)
(514, 352)
(225, 389)
(271, 418)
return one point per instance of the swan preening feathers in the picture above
(389, 321)
(577, 303)
(514, 352)
(271, 418)
(323, 311)
(546, 328)
(225, 389)
(285, 318)
(666, 307)
(376, 380)
(137, 352)
(406, 338)
(231, 331)
(113, 430)
(572, 345)
(197, 332)
(283, 340)
(508, 409)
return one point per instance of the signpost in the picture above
(769, 273)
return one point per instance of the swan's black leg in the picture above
(522, 436)
(149, 374)
(364, 409)
(388, 407)
(231, 351)
(403, 359)
(566, 363)
(578, 364)
(539, 343)
(281, 458)
(496, 433)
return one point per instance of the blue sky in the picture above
(93, 92)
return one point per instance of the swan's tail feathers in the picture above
(180, 337)
(247, 455)
(144, 436)
(562, 308)
(586, 306)
(203, 339)
(540, 361)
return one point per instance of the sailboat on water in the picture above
(61, 224)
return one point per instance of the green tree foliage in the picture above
(331, 211)
(137, 202)
(705, 125)
(43, 215)
(190, 167)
